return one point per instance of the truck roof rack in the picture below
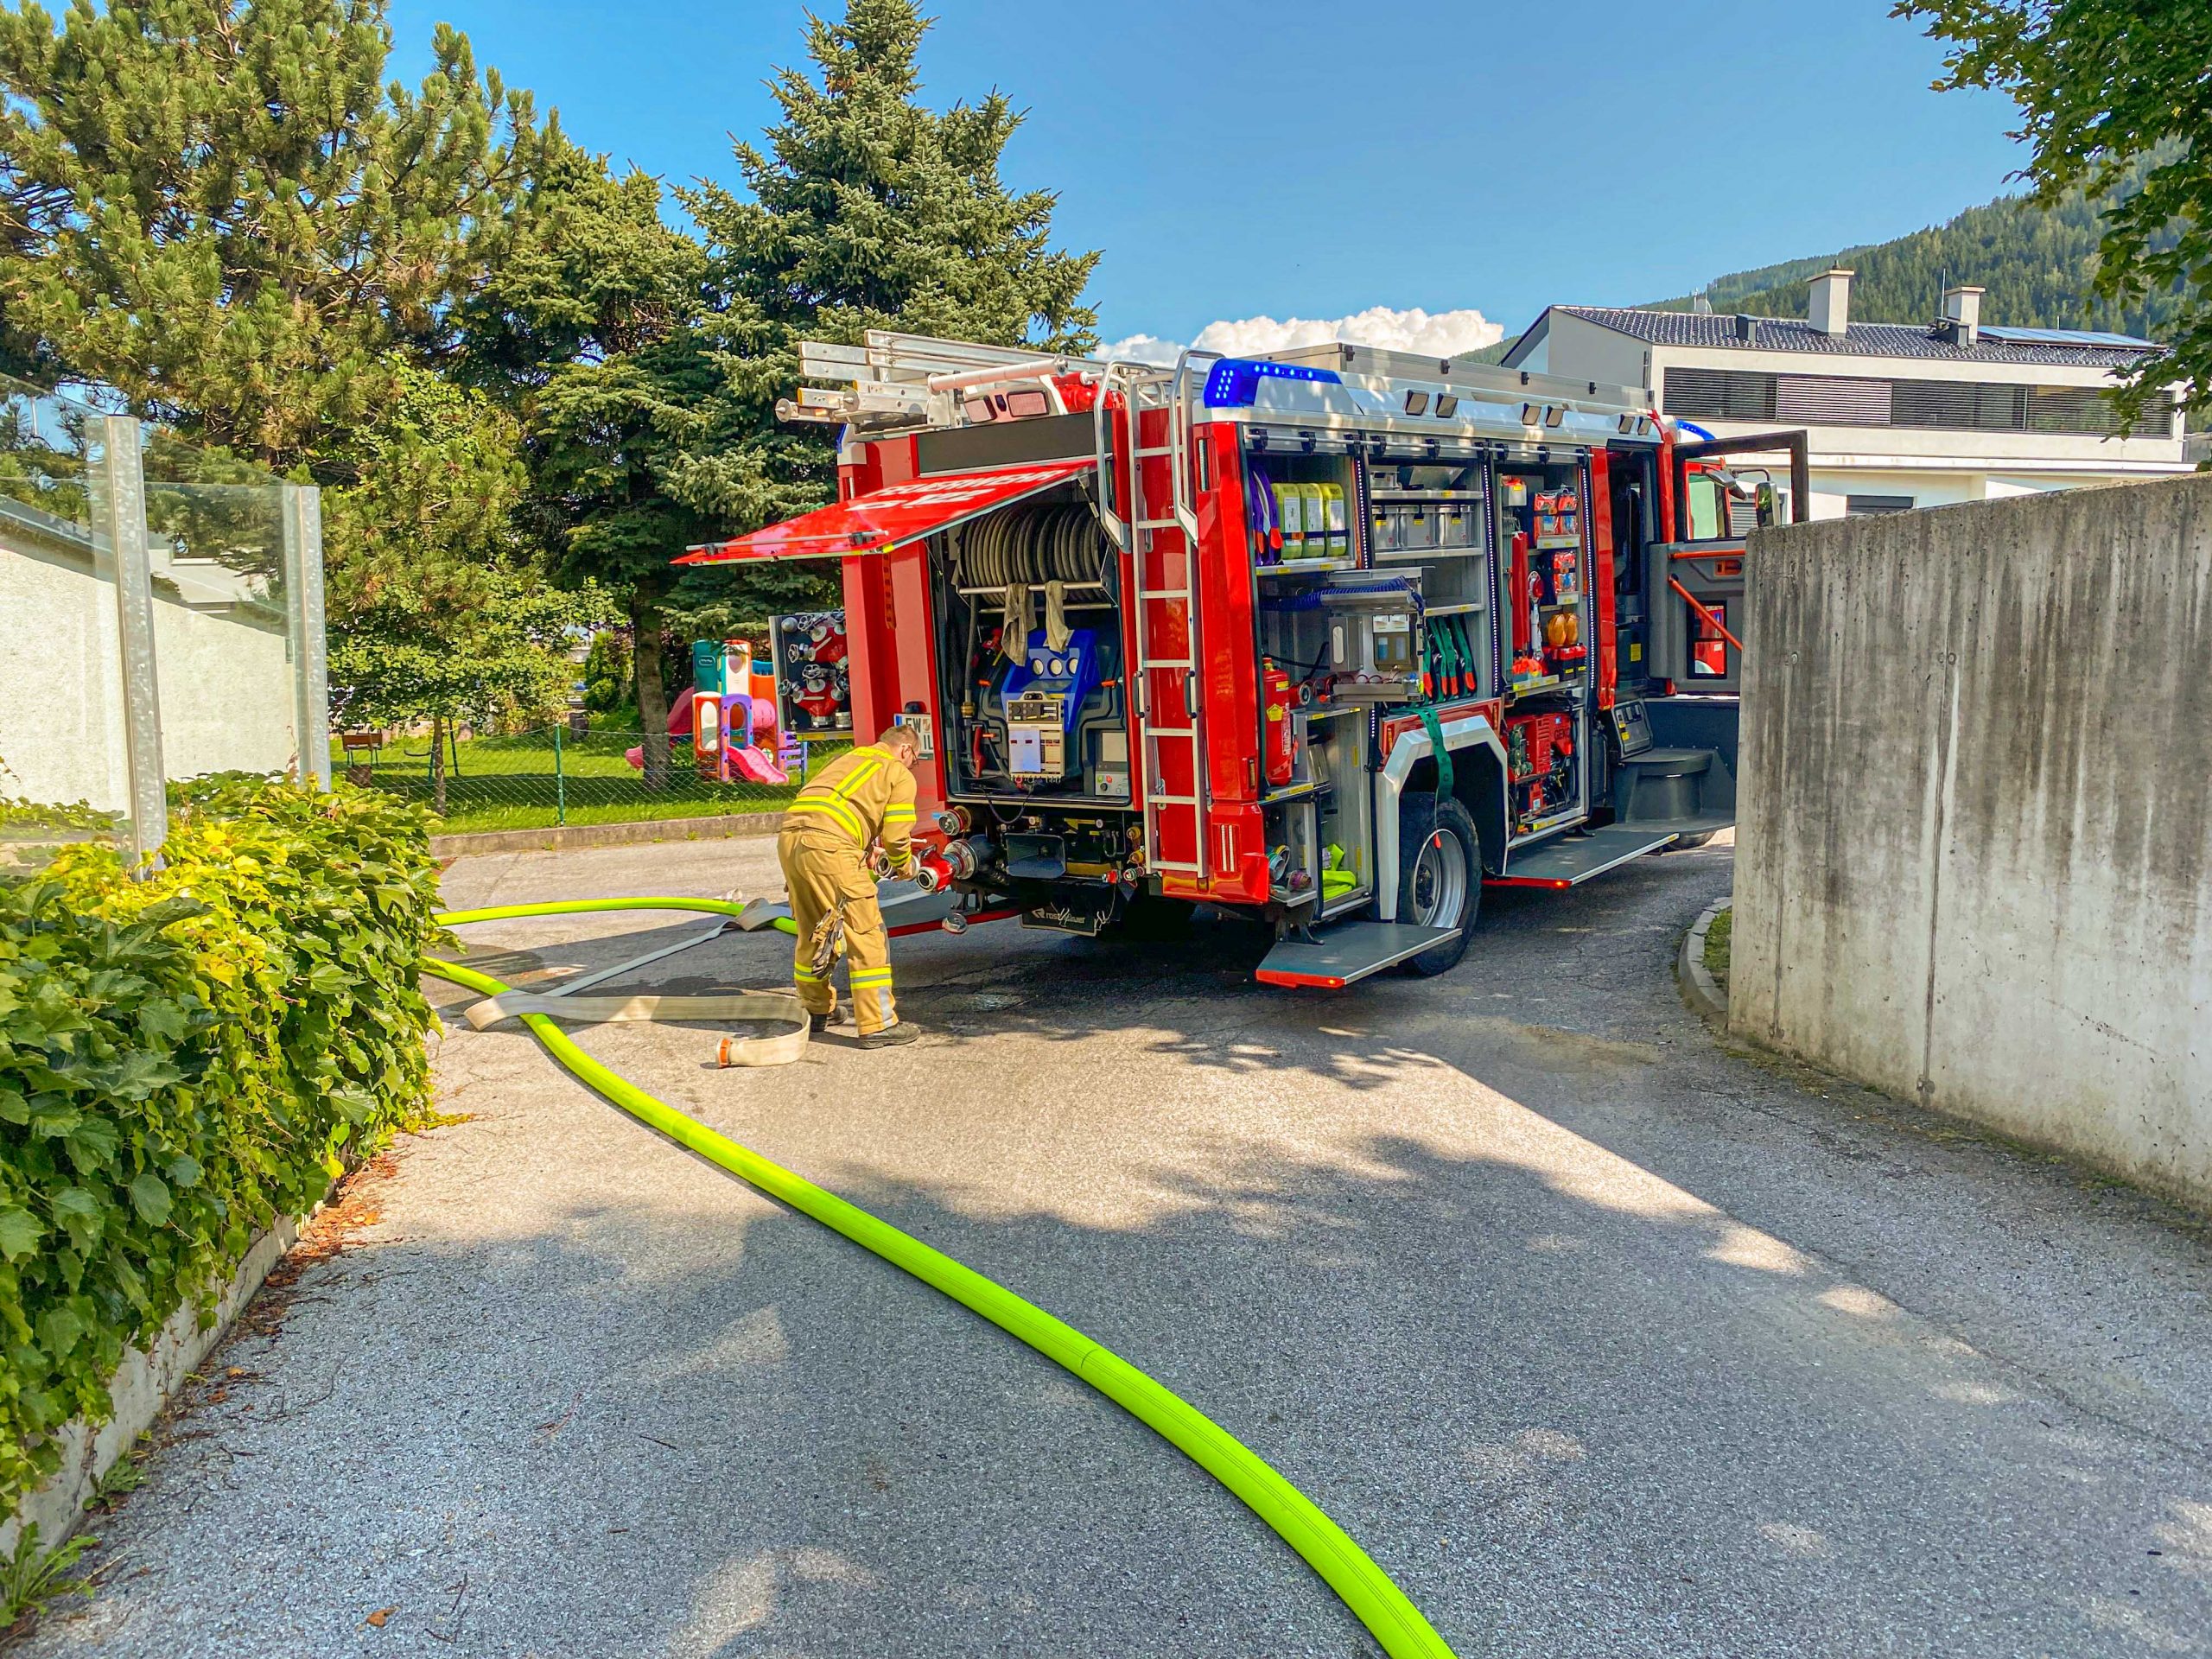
(909, 379)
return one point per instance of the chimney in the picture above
(1830, 309)
(1963, 315)
(1747, 328)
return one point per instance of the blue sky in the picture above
(1235, 160)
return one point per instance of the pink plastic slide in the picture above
(679, 725)
(758, 764)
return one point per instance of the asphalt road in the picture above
(1600, 1339)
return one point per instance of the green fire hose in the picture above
(1395, 1623)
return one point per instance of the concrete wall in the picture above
(1974, 852)
(224, 681)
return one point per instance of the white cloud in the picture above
(1428, 334)
(1143, 348)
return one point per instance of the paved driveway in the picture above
(1601, 1340)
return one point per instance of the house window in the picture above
(1872, 400)
(1960, 405)
(1719, 395)
(1865, 507)
(1833, 400)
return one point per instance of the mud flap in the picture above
(1084, 911)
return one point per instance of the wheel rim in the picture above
(1440, 880)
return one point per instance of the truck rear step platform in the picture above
(1349, 951)
(1571, 859)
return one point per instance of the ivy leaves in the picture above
(184, 1058)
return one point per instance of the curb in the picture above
(141, 1388)
(1699, 987)
(728, 826)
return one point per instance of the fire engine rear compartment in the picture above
(1030, 642)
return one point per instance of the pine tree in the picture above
(867, 210)
(218, 209)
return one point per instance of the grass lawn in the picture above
(513, 783)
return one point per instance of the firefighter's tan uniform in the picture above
(864, 796)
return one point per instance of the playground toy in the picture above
(736, 736)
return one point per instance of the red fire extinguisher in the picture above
(1275, 744)
(1708, 643)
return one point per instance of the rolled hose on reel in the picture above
(1364, 1587)
(1033, 546)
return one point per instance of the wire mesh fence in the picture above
(554, 776)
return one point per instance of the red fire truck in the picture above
(1335, 638)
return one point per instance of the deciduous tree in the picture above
(2112, 93)
(436, 614)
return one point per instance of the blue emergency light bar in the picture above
(1235, 381)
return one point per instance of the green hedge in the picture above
(182, 1060)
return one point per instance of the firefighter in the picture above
(828, 845)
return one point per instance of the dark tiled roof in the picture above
(1863, 339)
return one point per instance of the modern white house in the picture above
(1897, 415)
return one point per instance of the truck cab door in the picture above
(1723, 490)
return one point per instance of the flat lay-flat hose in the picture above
(1364, 1587)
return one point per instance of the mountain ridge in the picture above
(2035, 264)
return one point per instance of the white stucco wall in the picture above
(61, 716)
(226, 685)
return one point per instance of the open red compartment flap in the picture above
(890, 517)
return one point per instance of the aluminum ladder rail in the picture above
(1145, 386)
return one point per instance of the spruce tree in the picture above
(866, 210)
(646, 369)
(218, 208)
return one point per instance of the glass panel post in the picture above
(303, 521)
(120, 511)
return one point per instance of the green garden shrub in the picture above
(183, 1059)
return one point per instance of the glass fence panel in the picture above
(64, 766)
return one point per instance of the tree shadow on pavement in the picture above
(1569, 1408)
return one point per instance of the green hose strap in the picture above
(1364, 1587)
(1434, 727)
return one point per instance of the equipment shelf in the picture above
(1425, 495)
(1454, 610)
(1415, 555)
(1302, 567)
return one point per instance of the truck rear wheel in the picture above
(1440, 878)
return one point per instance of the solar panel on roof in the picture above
(2059, 337)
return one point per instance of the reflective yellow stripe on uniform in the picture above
(831, 799)
(867, 977)
(835, 810)
(862, 770)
